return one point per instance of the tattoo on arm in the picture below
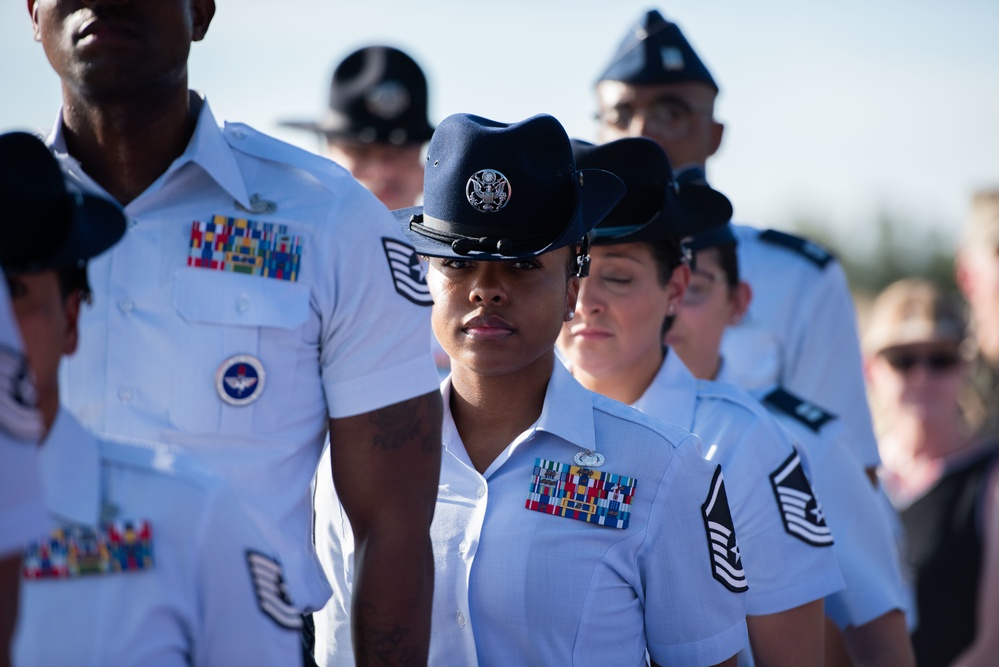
(405, 423)
(380, 646)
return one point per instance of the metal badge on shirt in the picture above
(409, 273)
(799, 508)
(245, 246)
(581, 493)
(77, 551)
(723, 547)
(19, 417)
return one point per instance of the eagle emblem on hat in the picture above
(387, 100)
(488, 190)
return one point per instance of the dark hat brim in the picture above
(326, 127)
(96, 226)
(597, 195)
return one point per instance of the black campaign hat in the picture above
(656, 206)
(495, 191)
(653, 52)
(378, 95)
(45, 224)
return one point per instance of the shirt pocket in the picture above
(222, 316)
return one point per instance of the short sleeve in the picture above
(247, 617)
(691, 615)
(376, 335)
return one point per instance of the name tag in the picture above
(584, 494)
(78, 551)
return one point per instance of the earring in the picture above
(570, 315)
(670, 309)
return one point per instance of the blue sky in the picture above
(835, 111)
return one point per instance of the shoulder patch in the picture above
(723, 548)
(799, 508)
(807, 413)
(409, 274)
(18, 416)
(272, 595)
(810, 250)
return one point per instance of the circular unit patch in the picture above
(240, 380)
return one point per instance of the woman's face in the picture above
(620, 312)
(709, 306)
(500, 317)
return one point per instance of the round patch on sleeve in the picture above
(240, 380)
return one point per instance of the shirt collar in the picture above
(672, 395)
(567, 413)
(208, 149)
(70, 469)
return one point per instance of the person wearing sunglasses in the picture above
(944, 482)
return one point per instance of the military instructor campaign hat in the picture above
(45, 223)
(378, 95)
(499, 191)
(656, 206)
(655, 52)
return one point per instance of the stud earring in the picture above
(569, 315)
(671, 309)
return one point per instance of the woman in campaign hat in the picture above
(614, 346)
(569, 529)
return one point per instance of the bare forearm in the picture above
(789, 638)
(392, 600)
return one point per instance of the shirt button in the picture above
(132, 222)
(126, 394)
(126, 305)
(243, 303)
(479, 492)
(460, 618)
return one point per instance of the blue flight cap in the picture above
(653, 52)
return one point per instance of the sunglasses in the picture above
(934, 362)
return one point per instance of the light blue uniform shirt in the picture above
(166, 341)
(514, 586)
(211, 596)
(783, 536)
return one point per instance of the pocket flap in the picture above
(217, 297)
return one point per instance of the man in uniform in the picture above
(977, 265)
(246, 309)
(152, 559)
(800, 331)
(377, 122)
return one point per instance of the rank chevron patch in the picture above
(723, 548)
(272, 595)
(408, 273)
(799, 508)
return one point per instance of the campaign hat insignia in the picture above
(655, 51)
(47, 222)
(469, 210)
(488, 190)
(800, 509)
(240, 380)
(378, 95)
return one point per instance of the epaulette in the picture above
(810, 250)
(246, 139)
(156, 458)
(807, 413)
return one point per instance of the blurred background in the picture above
(865, 125)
